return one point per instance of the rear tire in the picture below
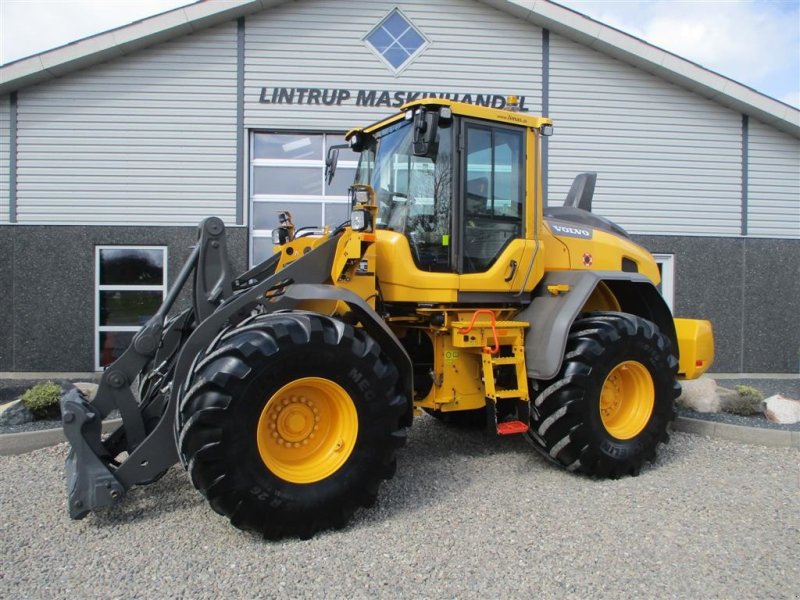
(613, 399)
(290, 423)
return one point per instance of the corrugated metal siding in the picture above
(773, 183)
(317, 43)
(4, 166)
(668, 161)
(145, 139)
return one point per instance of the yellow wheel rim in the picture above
(307, 430)
(627, 400)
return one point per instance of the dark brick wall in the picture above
(748, 288)
(47, 287)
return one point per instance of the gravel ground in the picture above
(467, 516)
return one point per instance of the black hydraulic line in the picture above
(180, 281)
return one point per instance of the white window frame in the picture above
(276, 199)
(396, 70)
(667, 262)
(98, 329)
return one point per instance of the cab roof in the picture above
(500, 115)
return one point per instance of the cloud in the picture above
(754, 42)
(33, 26)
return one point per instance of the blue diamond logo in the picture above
(396, 40)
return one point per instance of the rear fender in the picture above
(558, 300)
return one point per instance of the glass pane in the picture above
(493, 209)
(508, 159)
(262, 249)
(296, 181)
(128, 307)
(113, 344)
(411, 41)
(288, 146)
(336, 214)
(342, 181)
(131, 266)
(479, 170)
(396, 24)
(380, 39)
(304, 214)
(396, 55)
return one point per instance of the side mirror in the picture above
(330, 161)
(426, 124)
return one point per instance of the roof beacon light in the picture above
(512, 103)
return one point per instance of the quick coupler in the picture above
(90, 482)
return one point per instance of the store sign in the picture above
(372, 98)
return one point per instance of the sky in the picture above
(754, 42)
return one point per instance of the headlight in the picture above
(280, 236)
(359, 197)
(359, 220)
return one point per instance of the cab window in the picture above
(494, 193)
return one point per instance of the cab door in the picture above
(492, 250)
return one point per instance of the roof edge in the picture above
(636, 52)
(123, 40)
(543, 13)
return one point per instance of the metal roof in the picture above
(543, 13)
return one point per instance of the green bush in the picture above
(748, 402)
(43, 400)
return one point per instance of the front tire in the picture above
(290, 423)
(612, 402)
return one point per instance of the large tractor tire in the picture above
(290, 423)
(612, 402)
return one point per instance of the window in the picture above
(288, 173)
(495, 188)
(395, 40)
(666, 266)
(131, 284)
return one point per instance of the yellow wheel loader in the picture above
(285, 392)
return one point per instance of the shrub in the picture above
(43, 399)
(747, 403)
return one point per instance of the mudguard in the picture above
(559, 298)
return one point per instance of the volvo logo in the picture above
(578, 232)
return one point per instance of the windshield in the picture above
(414, 192)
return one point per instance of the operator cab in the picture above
(422, 163)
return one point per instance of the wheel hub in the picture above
(627, 400)
(307, 430)
(293, 421)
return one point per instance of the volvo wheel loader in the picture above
(285, 392)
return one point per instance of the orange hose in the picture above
(471, 325)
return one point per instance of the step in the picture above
(511, 427)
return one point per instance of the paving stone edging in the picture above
(28, 441)
(758, 436)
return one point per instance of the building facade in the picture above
(112, 150)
